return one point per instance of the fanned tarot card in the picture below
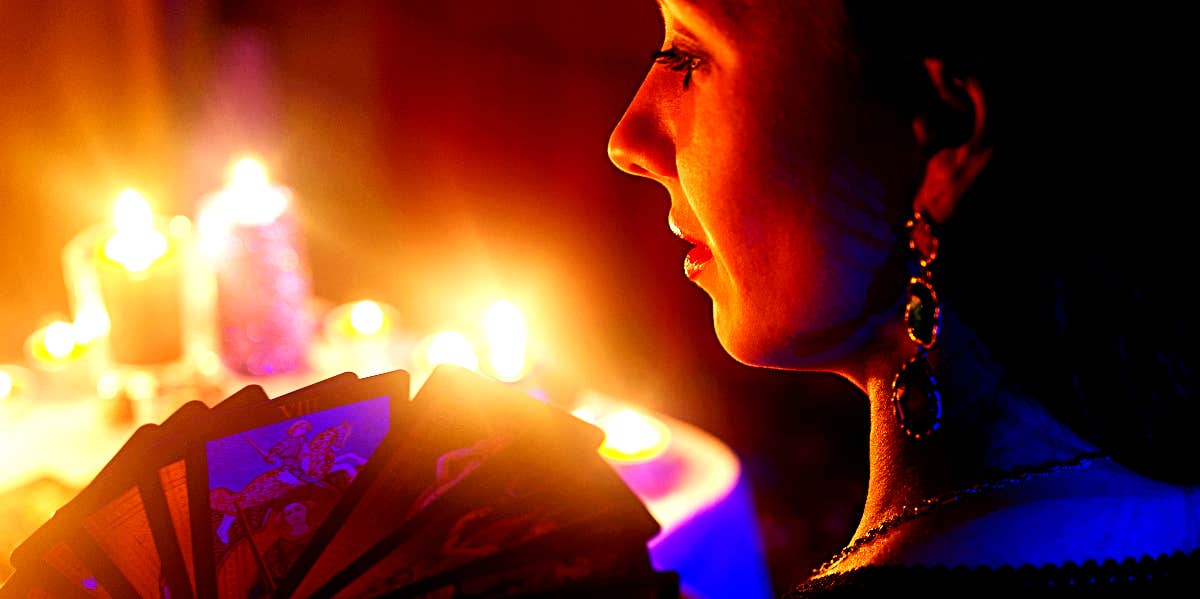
(346, 488)
(265, 481)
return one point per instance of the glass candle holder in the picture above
(258, 268)
(130, 289)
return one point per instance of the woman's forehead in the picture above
(729, 9)
(732, 16)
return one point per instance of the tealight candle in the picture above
(363, 337)
(138, 268)
(361, 320)
(635, 443)
(630, 436)
(16, 385)
(53, 347)
(252, 241)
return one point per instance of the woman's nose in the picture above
(641, 144)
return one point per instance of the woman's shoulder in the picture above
(1107, 514)
(1168, 575)
(1109, 517)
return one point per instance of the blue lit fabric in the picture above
(1175, 575)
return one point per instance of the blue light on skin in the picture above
(90, 583)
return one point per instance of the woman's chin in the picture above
(745, 342)
(752, 344)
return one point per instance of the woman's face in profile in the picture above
(787, 176)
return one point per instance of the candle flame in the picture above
(132, 212)
(366, 318)
(630, 436)
(136, 243)
(250, 199)
(6, 385)
(451, 347)
(59, 339)
(248, 173)
(507, 338)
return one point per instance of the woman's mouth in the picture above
(696, 260)
(698, 257)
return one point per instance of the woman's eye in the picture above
(677, 60)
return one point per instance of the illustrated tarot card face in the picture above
(270, 487)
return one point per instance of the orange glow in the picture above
(507, 338)
(136, 244)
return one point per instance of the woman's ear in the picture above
(952, 133)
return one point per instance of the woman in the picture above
(957, 207)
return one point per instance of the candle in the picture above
(507, 341)
(630, 436)
(53, 347)
(262, 281)
(363, 337)
(635, 443)
(366, 320)
(16, 385)
(138, 269)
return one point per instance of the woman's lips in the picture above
(698, 257)
(696, 260)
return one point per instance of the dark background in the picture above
(442, 154)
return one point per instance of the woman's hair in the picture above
(1070, 254)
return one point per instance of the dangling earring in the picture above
(915, 398)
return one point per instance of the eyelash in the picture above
(678, 60)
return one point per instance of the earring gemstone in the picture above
(921, 239)
(922, 314)
(915, 398)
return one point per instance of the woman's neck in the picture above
(987, 428)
